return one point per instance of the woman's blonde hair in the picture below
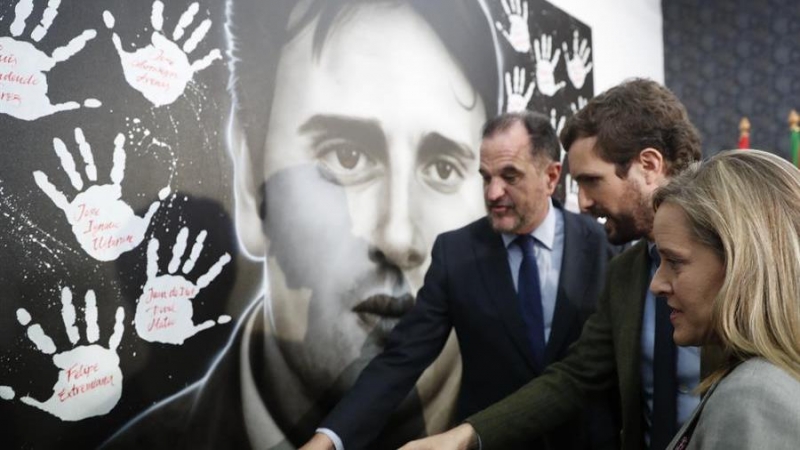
(745, 205)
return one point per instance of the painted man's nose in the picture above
(397, 238)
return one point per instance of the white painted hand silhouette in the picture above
(517, 34)
(556, 122)
(558, 125)
(161, 70)
(23, 67)
(104, 225)
(578, 66)
(575, 107)
(164, 310)
(546, 63)
(518, 96)
(89, 380)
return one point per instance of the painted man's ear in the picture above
(247, 193)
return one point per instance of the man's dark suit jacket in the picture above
(469, 287)
(607, 355)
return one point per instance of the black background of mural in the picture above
(545, 18)
(39, 253)
(730, 59)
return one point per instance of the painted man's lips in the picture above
(384, 311)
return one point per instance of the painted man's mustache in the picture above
(386, 305)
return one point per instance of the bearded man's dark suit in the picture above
(469, 287)
(607, 355)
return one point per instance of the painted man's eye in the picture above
(443, 175)
(444, 170)
(346, 163)
(348, 158)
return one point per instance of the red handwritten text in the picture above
(10, 59)
(160, 323)
(85, 211)
(107, 242)
(15, 78)
(78, 371)
(95, 227)
(176, 292)
(10, 97)
(77, 389)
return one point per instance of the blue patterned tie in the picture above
(530, 298)
(665, 383)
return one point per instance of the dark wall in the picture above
(728, 59)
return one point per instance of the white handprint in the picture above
(546, 66)
(579, 66)
(161, 70)
(556, 122)
(90, 380)
(575, 107)
(517, 34)
(164, 310)
(558, 125)
(517, 99)
(104, 225)
(23, 67)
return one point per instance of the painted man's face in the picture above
(371, 152)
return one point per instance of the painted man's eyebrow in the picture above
(434, 143)
(365, 131)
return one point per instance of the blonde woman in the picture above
(728, 233)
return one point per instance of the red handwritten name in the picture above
(86, 211)
(93, 227)
(10, 97)
(16, 78)
(78, 371)
(7, 58)
(161, 57)
(160, 323)
(157, 310)
(175, 292)
(77, 389)
(111, 242)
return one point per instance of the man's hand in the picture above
(318, 442)
(462, 437)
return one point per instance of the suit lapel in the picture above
(571, 287)
(493, 266)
